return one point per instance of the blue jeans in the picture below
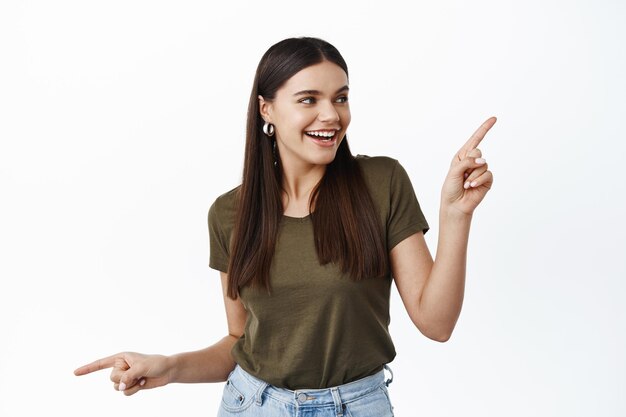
(247, 396)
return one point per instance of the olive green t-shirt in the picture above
(318, 328)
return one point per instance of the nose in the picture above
(328, 113)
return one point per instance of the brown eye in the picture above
(307, 100)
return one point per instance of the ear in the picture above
(265, 109)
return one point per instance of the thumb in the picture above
(141, 384)
(132, 376)
(470, 163)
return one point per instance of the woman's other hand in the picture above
(469, 179)
(133, 371)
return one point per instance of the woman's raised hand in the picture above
(133, 371)
(468, 180)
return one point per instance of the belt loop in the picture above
(259, 393)
(337, 399)
(390, 380)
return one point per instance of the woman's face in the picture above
(310, 114)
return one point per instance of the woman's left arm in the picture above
(432, 291)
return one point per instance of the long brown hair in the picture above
(346, 225)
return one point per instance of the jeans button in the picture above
(301, 397)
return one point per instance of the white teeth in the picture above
(321, 134)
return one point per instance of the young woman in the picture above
(307, 247)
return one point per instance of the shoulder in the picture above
(223, 208)
(378, 173)
(376, 163)
(377, 169)
(228, 198)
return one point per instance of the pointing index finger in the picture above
(476, 138)
(98, 365)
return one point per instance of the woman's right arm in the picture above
(214, 363)
(134, 371)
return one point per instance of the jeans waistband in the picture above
(338, 395)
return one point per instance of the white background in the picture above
(122, 121)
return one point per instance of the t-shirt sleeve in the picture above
(405, 216)
(218, 241)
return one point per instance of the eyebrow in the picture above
(318, 93)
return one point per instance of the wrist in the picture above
(172, 363)
(448, 212)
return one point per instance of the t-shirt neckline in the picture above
(296, 219)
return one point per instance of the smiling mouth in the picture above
(323, 135)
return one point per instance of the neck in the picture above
(298, 183)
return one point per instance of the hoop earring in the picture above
(268, 129)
